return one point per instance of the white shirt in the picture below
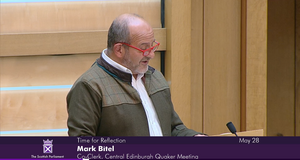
(153, 121)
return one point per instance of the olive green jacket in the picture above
(102, 102)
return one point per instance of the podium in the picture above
(251, 133)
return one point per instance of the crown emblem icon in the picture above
(47, 141)
(48, 146)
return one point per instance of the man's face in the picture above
(142, 37)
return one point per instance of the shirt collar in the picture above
(117, 65)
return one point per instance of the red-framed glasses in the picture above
(146, 52)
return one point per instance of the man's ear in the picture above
(118, 50)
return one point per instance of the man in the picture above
(120, 95)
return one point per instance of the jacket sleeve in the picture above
(179, 129)
(161, 97)
(84, 110)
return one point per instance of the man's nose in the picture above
(151, 54)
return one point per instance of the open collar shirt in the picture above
(152, 118)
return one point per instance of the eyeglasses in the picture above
(146, 52)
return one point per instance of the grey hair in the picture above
(119, 31)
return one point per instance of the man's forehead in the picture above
(148, 43)
(142, 34)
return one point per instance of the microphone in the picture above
(231, 127)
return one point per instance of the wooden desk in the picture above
(259, 132)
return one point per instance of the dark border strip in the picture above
(243, 65)
(162, 53)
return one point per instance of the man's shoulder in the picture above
(93, 73)
(158, 81)
(156, 74)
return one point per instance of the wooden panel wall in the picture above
(61, 42)
(72, 16)
(44, 70)
(256, 64)
(217, 72)
(281, 68)
(178, 56)
(214, 62)
(33, 109)
(45, 44)
(221, 65)
(203, 59)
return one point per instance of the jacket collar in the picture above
(126, 77)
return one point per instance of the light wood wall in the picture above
(256, 64)
(221, 65)
(53, 43)
(215, 63)
(178, 56)
(33, 110)
(242, 66)
(73, 16)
